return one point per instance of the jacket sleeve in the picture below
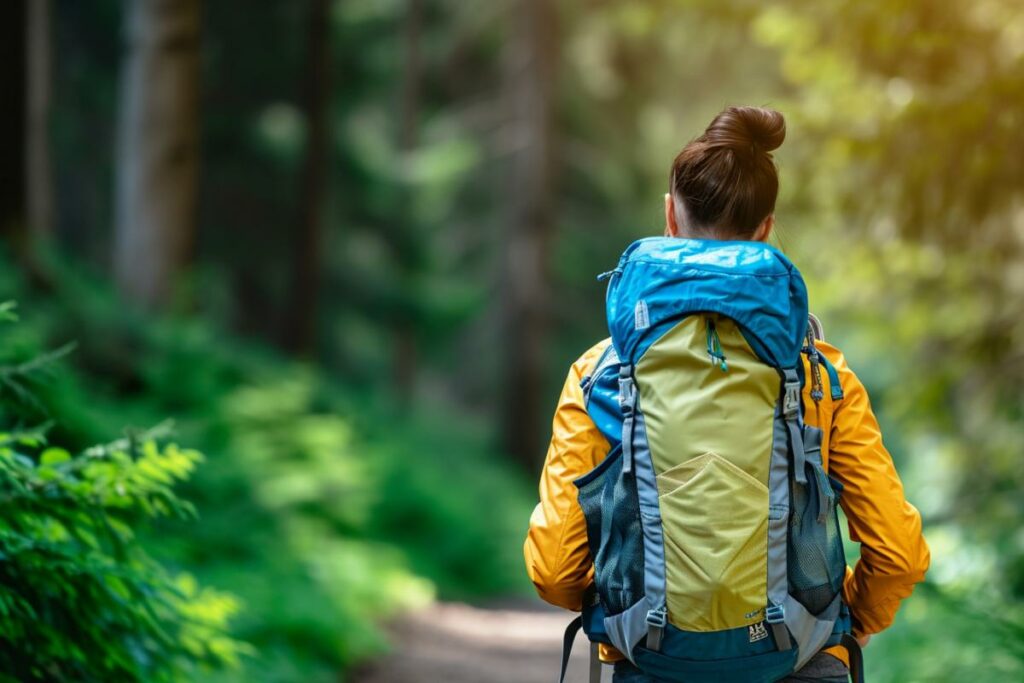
(893, 553)
(556, 552)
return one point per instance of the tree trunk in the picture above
(405, 346)
(531, 85)
(303, 294)
(12, 119)
(158, 148)
(38, 168)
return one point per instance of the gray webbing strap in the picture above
(792, 405)
(595, 663)
(656, 620)
(567, 640)
(782, 639)
(627, 403)
(775, 615)
(571, 631)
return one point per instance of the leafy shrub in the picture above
(323, 507)
(80, 599)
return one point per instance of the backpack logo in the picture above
(757, 632)
(641, 320)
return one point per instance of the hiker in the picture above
(687, 501)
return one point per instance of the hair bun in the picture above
(747, 129)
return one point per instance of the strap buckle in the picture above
(656, 621)
(775, 614)
(791, 401)
(627, 389)
(657, 618)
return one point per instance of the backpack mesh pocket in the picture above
(815, 557)
(612, 511)
(590, 490)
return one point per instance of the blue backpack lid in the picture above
(662, 279)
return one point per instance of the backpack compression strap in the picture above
(567, 640)
(856, 657)
(792, 412)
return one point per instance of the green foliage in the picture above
(904, 115)
(944, 635)
(80, 599)
(322, 506)
(900, 202)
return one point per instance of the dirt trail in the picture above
(455, 643)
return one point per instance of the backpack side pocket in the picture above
(815, 557)
(609, 502)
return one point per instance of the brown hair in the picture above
(726, 179)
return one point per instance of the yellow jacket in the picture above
(893, 553)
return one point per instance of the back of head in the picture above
(724, 183)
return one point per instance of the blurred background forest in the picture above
(350, 247)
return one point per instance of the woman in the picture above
(724, 186)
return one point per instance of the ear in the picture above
(764, 231)
(671, 225)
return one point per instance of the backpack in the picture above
(712, 523)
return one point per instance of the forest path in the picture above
(518, 642)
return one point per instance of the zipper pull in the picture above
(715, 346)
(817, 388)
